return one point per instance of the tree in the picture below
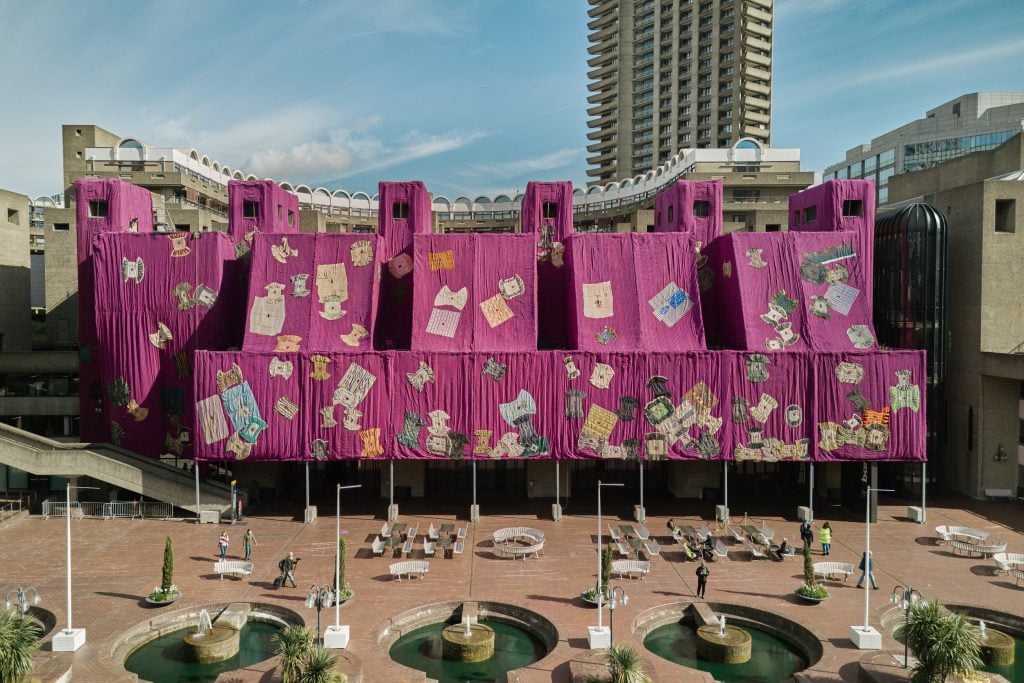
(625, 665)
(811, 588)
(167, 576)
(340, 579)
(944, 643)
(319, 668)
(606, 566)
(19, 638)
(293, 645)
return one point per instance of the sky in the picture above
(471, 96)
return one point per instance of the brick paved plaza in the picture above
(117, 563)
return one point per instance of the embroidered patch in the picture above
(240, 404)
(849, 373)
(857, 399)
(787, 304)
(400, 266)
(511, 287)
(494, 369)
(602, 375)
(355, 335)
(571, 371)
(229, 378)
(116, 434)
(655, 446)
(658, 385)
(707, 446)
(266, 317)
(599, 422)
(794, 415)
(820, 307)
(211, 420)
(670, 304)
(280, 368)
(443, 323)
(320, 364)
(318, 450)
(841, 297)
(860, 336)
(300, 285)
(508, 445)
(354, 385)
(876, 437)
(441, 260)
(160, 338)
(558, 254)
(764, 408)
(287, 343)
(133, 271)
(410, 434)
(574, 403)
(774, 316)
(331, 282)
(904, 394)
(872, 417)
(332, 309)
(421, 376)
(496, 311)
(740, 408)
(726, 268)
(605, 336)
(446, 297)
(757, 367)
(327, 420)
(252, 431)
(205, 296)
(438, 421)
(240, 448)
(755, 258)
(702, 398)
(361, 253)
(183, 366)
(179, 247)
(524, 404)
(597, 300)
(658, 410)
(138, 413)
(627, 408)
(120, 393)
(482, 441)
(286, 408)
(282, 251)
(351, 419)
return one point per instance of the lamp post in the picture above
(865, 637)
(905, 597)
(21, 599)
(319, 597)
(611, 611)
(598, 636)
(69, 639)
(337, 636)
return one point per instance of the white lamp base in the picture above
(68, 640)
(866, 637)
(599, 637)
(336, 637)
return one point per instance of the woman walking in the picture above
(223, 545)
(825, 536)
(248, 541)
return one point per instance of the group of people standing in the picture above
(248, 541)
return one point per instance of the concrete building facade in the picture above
(982, 195)
(675, 74)
(970, 123)
(15, 266)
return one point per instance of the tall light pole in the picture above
(337, 636)
(905, 597)
(865, 637)
(69, 639)
(598, 636)
(319, 597)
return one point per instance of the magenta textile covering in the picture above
(546, 213)
(394, 254)
(260, 206)
(633, 291)
(677, 208)
(102, 206)
(712, 405)
(311, 291)
(159, 297)
(790, 292)
(547, 204)
(474, 292)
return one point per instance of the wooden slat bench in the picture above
(631, 567)
(409, 567)
(833, 570)
(238, 568)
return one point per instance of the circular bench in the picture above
(518, 542)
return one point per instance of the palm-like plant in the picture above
(293, 645)
(319, 668)
(944, 642)
(19, 638)
(625, 665)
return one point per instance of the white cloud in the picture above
(301, 160)
(518, 167)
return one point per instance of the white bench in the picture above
(652, 549)
(378, 546)
(720, 549)
(1018, 575)
(459, 547)
(756, 551)
(1008, 561)
(1000, 493)
(643, 533)
(237, 568)
(515, 551)
(948, 533)
(407, 546)
(409, 568)
(833, 570)
(428, 548)
(631, 567)
(623, 549)
(985, 549)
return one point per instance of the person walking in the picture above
(825, 536)
(248, 541)
(288, 568)
(223, 545)
(867, 568)
(806, 533)
(702, 578)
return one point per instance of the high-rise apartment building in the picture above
(672, 74)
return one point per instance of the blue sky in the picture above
(470, 96)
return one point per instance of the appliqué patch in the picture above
(354, 385)
(361, 253)
(496, 311)
(288, 343)
(670, 304)
(755, 258)
(841, 297)
(446, 297)
(300, 285)
(280, 252)
(571, 371)
(421, 376)
(355, 335)
(160, 338)
(602, 375)
(605, 336)
(860, 336)
(494, 369)
(441, 260)
(280, 368)
(179, 246)
(211, 419)
(904, 394)
(597, 300)
(133, 271)
(286, 408)
(443, 323)
(400, 266)
(757, 367)
(331, 282)
(511, 287)
(849, 373)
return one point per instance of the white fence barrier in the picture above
(112, 510)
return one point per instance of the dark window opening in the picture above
(400, 210)
(810, 214)
(250, 209)
(13, 216)
(853, 207)
(97, 208)
(701, 209)
(1005, 214)
(183, 227)
(280, 213)
(550, 210)
(670, 213)
(291, 219)
(62, 226)
(796, 217)
(773, 227)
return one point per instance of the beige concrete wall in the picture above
(1002, 306)
(15, 267)
(999, 426)
(61, 276)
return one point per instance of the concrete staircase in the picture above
(124, 469)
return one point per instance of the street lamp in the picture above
(319, 597)
(337, 636)
(598, 636)
(69, 639)
(611, 610)
(21, 599)
(905, 597)
(865, 637)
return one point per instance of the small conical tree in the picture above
(167, 575)
(19, 638)
(606, 566)
(340, 582)
(808, 567)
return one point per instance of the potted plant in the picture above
(293, 643)
(19, 638)
(624, 665)
(319, 667)
(944, 642)
(590, 595)
(811, 590)
(346, 592)
(166, 592)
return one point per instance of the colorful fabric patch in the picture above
(138, 413)
(361, 253)
(280, 368)
(183, 293)
(757, 367)
(133, 271)
(658, 410)
(524, 404)
(179, 246)
(160, 338)
(410, 434)
(904, 394)
(441, 260)
(116, 434)
(332, 309)
(494, 369)
(327, 420)
(511, 287)
(446, 297)
(860, 336)
(820, 307)
(496, 311)
(755, 258)
(266, 317)
(351, 419)
(841, 297)
(794, 415)
(655, 446)
(872, 417)
(300, 285)
(120, 392)
(764, 408)
(482, 441)
(670, 304)
(605, 336)
(252, 431)
(355, 336)
(241, 449)
(727, 269)
(740, 409)
(443, 323)
(857, 399)
(331, 282)
(658, 385)
(602, 375)
(422, 375)
(849, 373)
(320, 364)
(400, 266)
(318, 450)
(438, 421)
(354, 385)
(229, 378)
(240, 404)
(597, 300)
(282, 251)
(627, 408)
(599, 422)
(287, 343)
(286, 408)
(574, 403)
(571, 371)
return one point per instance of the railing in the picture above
(116, 509)
(10, 509)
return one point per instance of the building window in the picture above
(853, 207)
(183, 227)
(280, 213)
(250, 209)
(810, 214)
(701, 209)
(1005, 210)
(549, 210)
(773, 227)
(670, 213)
(796, 217)
(65, 227)
(78, 132)
(14, 216)
(400, 210)
(291, 219)
(97, 208)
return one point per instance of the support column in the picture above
(722, 511)
(556, 509)
(924, 490)
(474, 509)
(310, 513)
(639, 514)
(392, 506)
(195, 468)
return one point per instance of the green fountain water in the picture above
(773, 659)
(421, 649)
